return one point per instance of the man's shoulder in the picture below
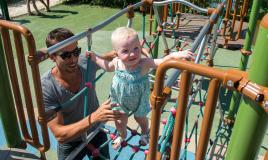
(49, 86)
(46, 76)
(47, 81)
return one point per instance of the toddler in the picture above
(130, 86)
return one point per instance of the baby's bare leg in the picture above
(144, 124)
(121, 126)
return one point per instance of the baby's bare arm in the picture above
(153, 63)
(101, 62)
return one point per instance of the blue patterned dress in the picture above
(131, 91)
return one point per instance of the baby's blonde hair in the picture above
(122, 33)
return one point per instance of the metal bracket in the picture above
(245, 52)
(159, 101)
(130, 13)
(238, 80)
(40, 56)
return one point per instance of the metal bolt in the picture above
(266, 104)
(259, 98)
(230, 83)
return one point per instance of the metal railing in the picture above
(199, 41)
(18, 32)
(232, 79)
(157, 97)
(235, 10)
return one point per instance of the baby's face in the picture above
(129, 51)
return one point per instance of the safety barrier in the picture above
(232, 79)
(234, 11)
(33, 59)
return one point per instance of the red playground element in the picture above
(112, 136)
(146, 152)
(201, 104)
(123, 144)
(135, 149)
(173, 111)
(164, 121)
(89, 85)
(134, 132)
(187, 140)
(96, 153)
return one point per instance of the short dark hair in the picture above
(58, 35)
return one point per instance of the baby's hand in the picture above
(91, 54)
(185, 55)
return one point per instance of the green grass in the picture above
(77, 18)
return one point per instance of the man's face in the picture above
(67, 58)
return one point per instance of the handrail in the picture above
(204, 31)
(189, 4)
(34, 59)
(17, 32)
(241, 15)
(232, 79)
(81, 35)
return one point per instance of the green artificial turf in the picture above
(77, 18)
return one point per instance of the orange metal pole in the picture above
(165, 13)
(210, 108)
(34, 59)
(266, 156)
(180, 115)
(26, 86)
(232, 79)
(14, 83)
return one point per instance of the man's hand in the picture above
(105, 113)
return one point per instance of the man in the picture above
(60, 84)
(35, 7)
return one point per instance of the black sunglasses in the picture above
(67, 55)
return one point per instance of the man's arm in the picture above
(65, 133)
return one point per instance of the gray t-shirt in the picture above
(55, 95)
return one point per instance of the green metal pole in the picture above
(251, 122)
(143, 24)
(156, 44)
(7, 109)
(236, 97)
(86, 109)
(4, 9)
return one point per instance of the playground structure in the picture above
(232, 79)
(4, 9)
(236, 11)
(231, 22)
